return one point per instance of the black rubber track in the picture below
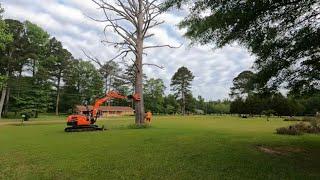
(83, 129)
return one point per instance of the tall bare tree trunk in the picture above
(139, 105)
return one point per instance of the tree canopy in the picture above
(154, 92)
(243, 84)
(35, 70)
(283, 35)
(5, 36)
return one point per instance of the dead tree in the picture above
(131, 21)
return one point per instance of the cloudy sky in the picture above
(68, 21)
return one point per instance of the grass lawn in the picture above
(175, 147)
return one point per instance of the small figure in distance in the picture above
(148, 117)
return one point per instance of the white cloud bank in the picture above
(67, 20)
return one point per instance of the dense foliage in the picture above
(5, 36)
(283, 35)
(250, 99)
(280, 105)
(36, 70)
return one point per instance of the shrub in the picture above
(314, 126)
(291, 130)
(308, 118)
(300, 128)
(141, 126)
(292, 119)
(315, 123)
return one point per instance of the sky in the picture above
(68, 21)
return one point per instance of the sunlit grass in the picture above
(175, 147)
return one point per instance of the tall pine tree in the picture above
(181, 85)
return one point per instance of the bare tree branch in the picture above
(160, 46)
(94, 59)
(151, 64)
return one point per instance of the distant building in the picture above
(199, 111)
(107, 111)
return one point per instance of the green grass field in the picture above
(175, 147)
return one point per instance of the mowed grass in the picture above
(175, 147)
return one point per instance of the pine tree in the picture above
(181, 85)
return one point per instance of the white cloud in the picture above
(67, 20)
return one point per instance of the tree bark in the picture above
(3, 95)
(58, 97)
(183, 107)
(33, 67)
(6, 108)
(139, 105)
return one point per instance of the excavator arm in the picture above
(111, 95)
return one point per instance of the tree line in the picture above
(250, 98)
(39, 75)
(37, 71)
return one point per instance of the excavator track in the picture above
(84, 128)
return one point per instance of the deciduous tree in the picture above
(83, 84)
(171, 105)
(154, 92)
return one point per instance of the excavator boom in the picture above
(111, 95)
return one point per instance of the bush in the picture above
(291, 130)
(137, 126)
(292, 119)
(312, 127)
(308, 118)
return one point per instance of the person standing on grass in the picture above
(148, 117)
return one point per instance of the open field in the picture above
(175, 147)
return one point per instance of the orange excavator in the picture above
(78, 122)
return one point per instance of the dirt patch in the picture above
(280, 150)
